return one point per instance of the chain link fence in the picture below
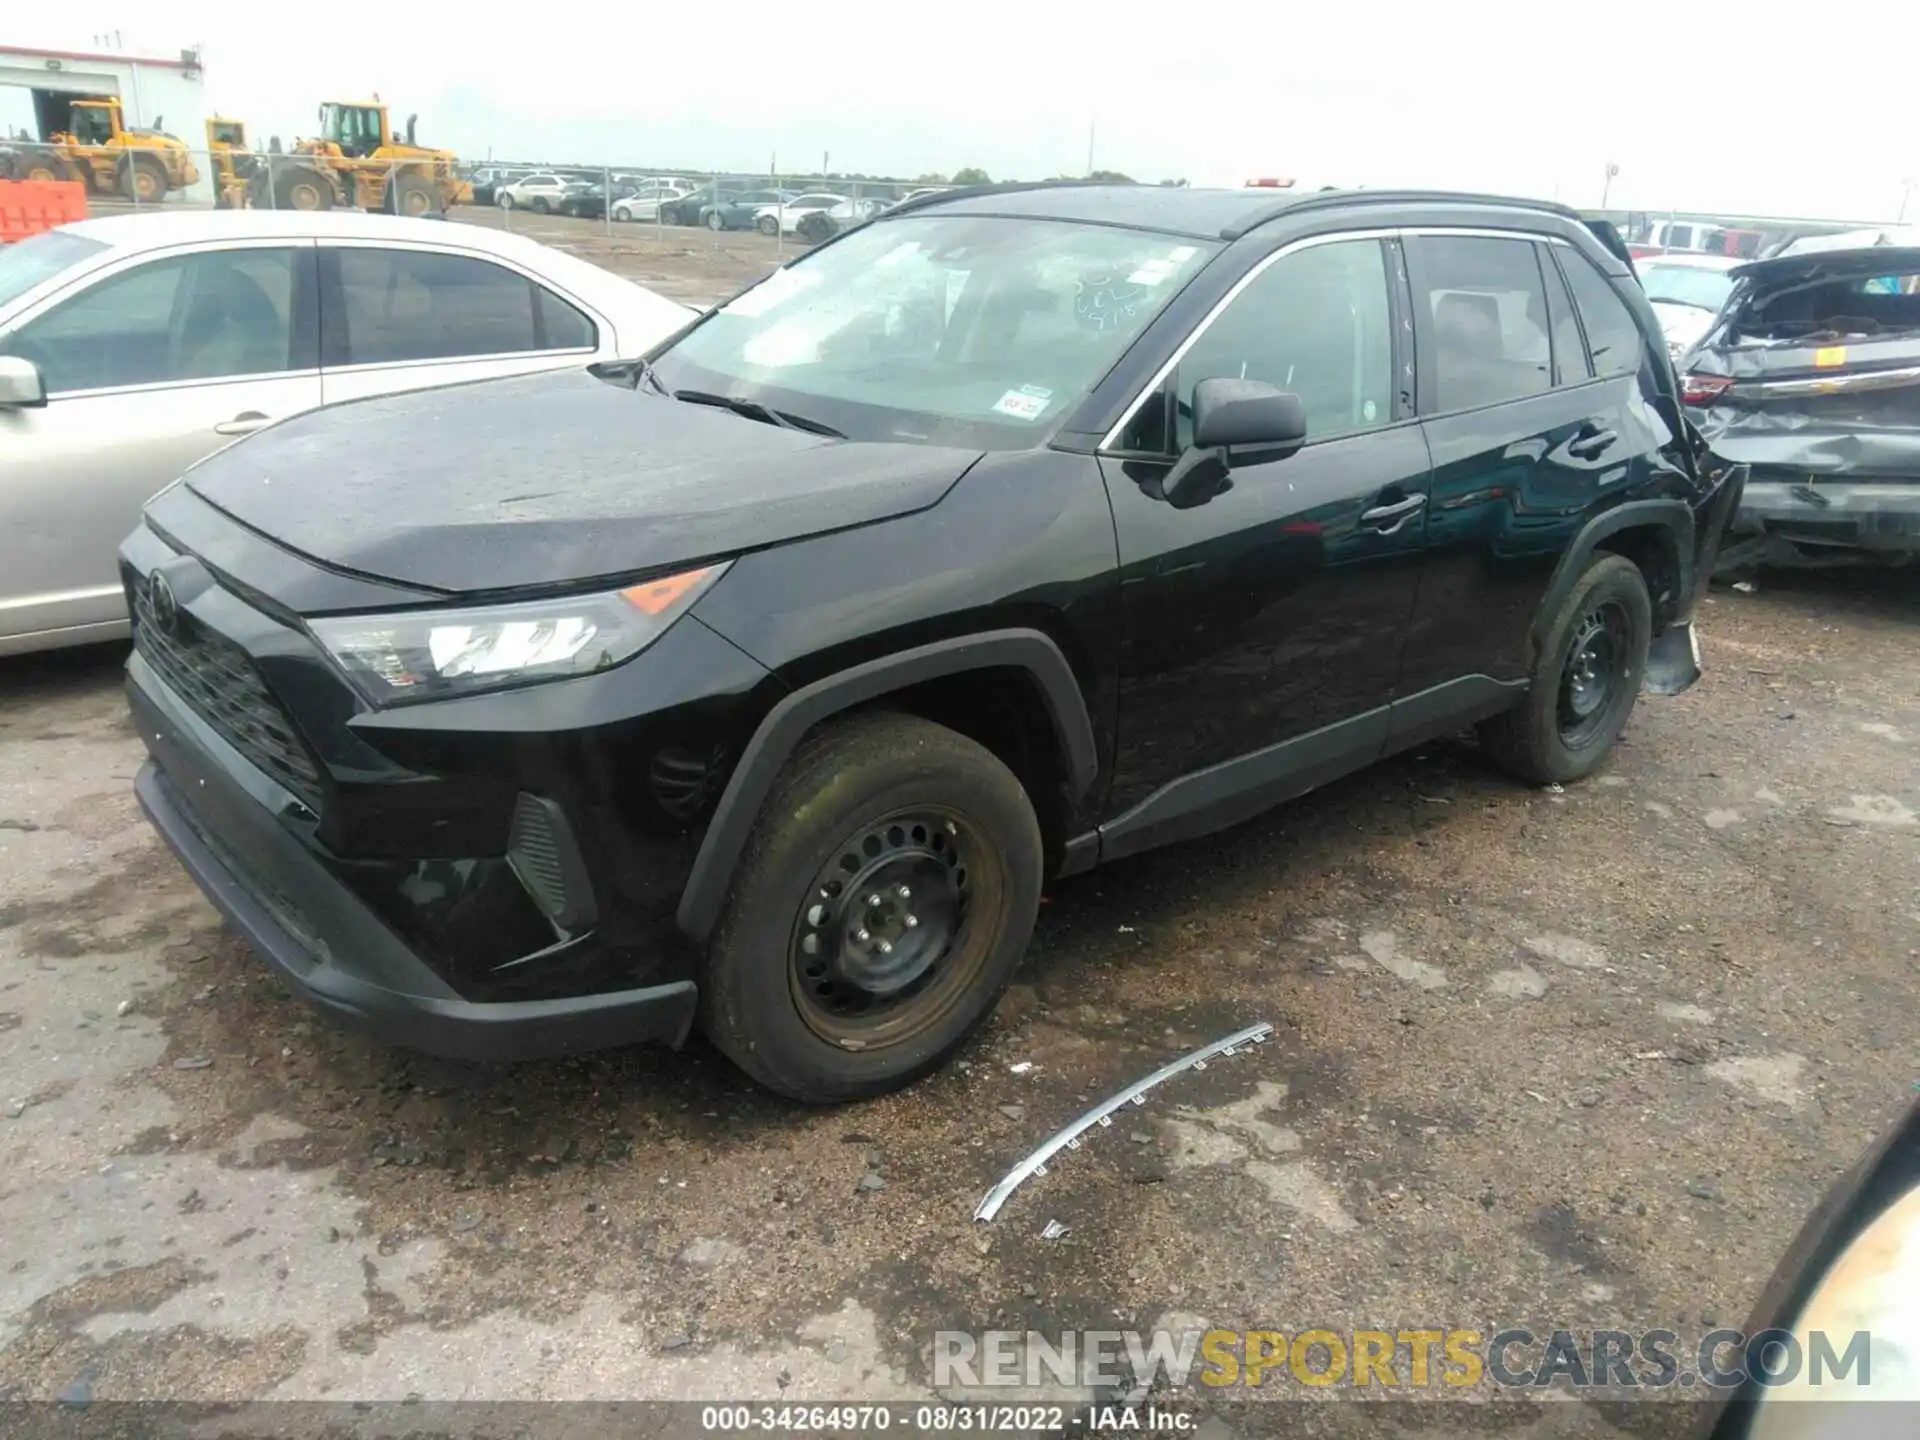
(786, 211)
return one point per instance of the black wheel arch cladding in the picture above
(789, 721)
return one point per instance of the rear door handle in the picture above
(245, 423)
(1591, 443)
(1389, 518)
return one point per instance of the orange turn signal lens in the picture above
(656, 597)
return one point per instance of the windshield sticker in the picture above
(1153, 272)
(1180, 254)
(1026, 403)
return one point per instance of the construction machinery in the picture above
(357, 161)
(87, 141)
(232, 162)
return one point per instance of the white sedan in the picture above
(784, 217)
(644, 203)
(133, 346)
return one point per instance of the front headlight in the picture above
(1872, 1289)
(429, 654)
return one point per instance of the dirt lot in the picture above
(1575, 1059)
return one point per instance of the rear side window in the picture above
(391, 306)
(1613, 339)
(1486, 311)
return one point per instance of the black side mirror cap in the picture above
(1247, 413)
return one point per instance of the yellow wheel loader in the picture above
(232, 162)
(93, 146)
(356, 161)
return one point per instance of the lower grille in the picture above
(218, 680)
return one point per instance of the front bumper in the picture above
(318, 935)
(1869, 515)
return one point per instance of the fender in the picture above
(796, 714)
(1672, 516)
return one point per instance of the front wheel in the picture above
(768, 225)
(715, 220)
(878, 912)
(1584, 682)
(540, 206)
(506, 201)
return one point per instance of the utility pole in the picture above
(1092, 123)
(1906, 193)
(1606, 186)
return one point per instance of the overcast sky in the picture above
(1750, 109)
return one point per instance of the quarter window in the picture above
(1316, 323)
(191, 317)
(1487, 314)
(1612, 335)
(398, 305)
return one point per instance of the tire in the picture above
(879, 820)
(768, 225)
(302, 189)
(144, 179)
(622, 214)
(540, 205)
(1552, 736)
(410, 195)
(815, 227)
(715, 220)
(506, 201)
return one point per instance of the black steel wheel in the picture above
(880, 947)
(1585, 679)
(877, 913)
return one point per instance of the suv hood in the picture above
(551, 480)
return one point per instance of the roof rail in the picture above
(1326, 199)
(1004, 187)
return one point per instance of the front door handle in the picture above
(1389, 518)
(1592, 443)
(245, 423)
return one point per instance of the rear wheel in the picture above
(1585, 680)
(878, 911)
(506, 201)
(768, 225)
(540, 206)
(622, 213)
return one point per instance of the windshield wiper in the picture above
(754, 410)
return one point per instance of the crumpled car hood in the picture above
(551, 480)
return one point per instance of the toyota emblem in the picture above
(166, 609)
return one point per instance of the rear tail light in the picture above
(1703, 389)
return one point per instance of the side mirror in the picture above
(20, 383)
(1250, 415)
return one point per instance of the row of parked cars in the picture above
(810, 215)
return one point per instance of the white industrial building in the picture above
(156, 92)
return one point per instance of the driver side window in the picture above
(1316, 323)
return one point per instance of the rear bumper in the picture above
(1870, 515)
(211, 807)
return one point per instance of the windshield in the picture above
(948, 329)
(26, 264)
(1686, 285)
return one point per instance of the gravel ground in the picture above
(1577, 1059)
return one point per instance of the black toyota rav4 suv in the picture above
(762, 683)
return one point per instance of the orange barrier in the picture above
(29, 206)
